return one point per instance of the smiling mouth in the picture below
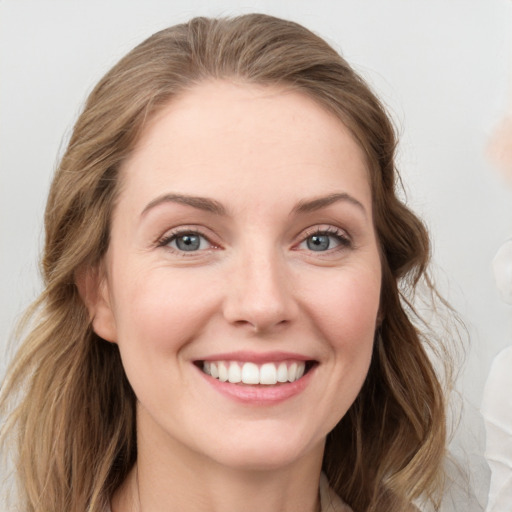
(268, 374)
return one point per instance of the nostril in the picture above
(260, 296)
(261, 323)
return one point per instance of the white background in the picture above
(441, 66)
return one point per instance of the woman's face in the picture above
(242, 247)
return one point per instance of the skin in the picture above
(254, 285)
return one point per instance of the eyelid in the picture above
(172, 234)
(345, 240)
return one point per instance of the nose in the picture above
(259, 294)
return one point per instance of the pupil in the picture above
(188, 242)
(318, 242)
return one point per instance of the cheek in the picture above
(160, 311)
(157, 316)
(345, 315)
(347, 307)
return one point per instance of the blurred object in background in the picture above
(496, 406)
(500, 147)
(502, 266)
(497, 413)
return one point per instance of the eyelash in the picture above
(341, 237)
(179, 232)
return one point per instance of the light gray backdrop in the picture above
(442, 66)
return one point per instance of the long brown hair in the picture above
(74, 425)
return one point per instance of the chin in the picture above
(267, 454)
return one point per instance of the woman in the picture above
(222, 324)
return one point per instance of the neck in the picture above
(169, 478)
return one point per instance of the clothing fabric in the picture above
(497, 413)
(329, 500)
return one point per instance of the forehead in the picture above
(224, 135)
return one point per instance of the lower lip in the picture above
(259, 394)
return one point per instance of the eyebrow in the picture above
(307, 206)
(201, 203)
(212, 206)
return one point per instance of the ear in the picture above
(94, 290)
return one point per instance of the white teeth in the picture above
(282, 373)
(250, 373)
(268, 374)
(292, 372)
(235, 373)
(223, 371)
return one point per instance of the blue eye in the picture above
(187, 242)
(318, 242)
(321, 240)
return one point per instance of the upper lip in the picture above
(257, 357)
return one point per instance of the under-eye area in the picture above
(270, 373)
